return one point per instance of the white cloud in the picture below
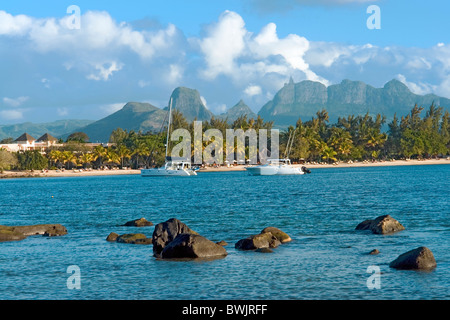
(62, 111)
(230, 49)
(15, 102)
(11, 114)
(104, 72)
(14, 25)
(253, 90)
(99, 38)
(106, 60)
(175, 74)
(224, 44)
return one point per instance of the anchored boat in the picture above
(276, 167)
(172, 167)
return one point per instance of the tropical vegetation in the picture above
(352, 138)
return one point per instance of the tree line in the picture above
(351, 138)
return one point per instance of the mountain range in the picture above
(304, 99)
(291, 102)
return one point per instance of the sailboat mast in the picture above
(168, 126)
(290, 143)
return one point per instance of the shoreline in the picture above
(346, 165)
(87, 173)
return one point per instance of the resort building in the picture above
(26, 142)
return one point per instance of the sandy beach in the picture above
(345, 165)
(81, 173)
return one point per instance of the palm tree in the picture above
(375, 141)
(68, 158)
(55, 156)
(123, 153)
(329, 153)
(140, 150)
(99, 153)
(86, 158)
(112, 157)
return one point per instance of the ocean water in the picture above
(327, 259)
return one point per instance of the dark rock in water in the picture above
(112, 236)
(277, 233)
(365, 225)
(165, 232)
(417, 259)
(381, 225)
(142, 222)
(262, 240)
(188, 245)
(21, 232)
(134, 238)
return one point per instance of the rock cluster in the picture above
(8, 233)
(269, 237)
(174, 239)
(417, 259)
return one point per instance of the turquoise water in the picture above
(327, 258)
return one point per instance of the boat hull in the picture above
(167, 172)
(267, 170)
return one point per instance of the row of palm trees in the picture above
(97, 157)
(353, 137)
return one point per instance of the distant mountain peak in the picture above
(397, 85)
(189, 103)
(238, 110)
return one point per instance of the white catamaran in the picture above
(278, 166)
(172, 167)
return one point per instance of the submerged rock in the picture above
(13, 233)
(9, 234)
(112, 236)
(417, 259)
(134, 238)
(269, 237)
(283, 237)
(258, 241)
(188, 245)
(166, 232)
(381, 225)
(142, 222)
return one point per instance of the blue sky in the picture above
(229, 50)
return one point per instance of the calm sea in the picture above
(327, 258)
